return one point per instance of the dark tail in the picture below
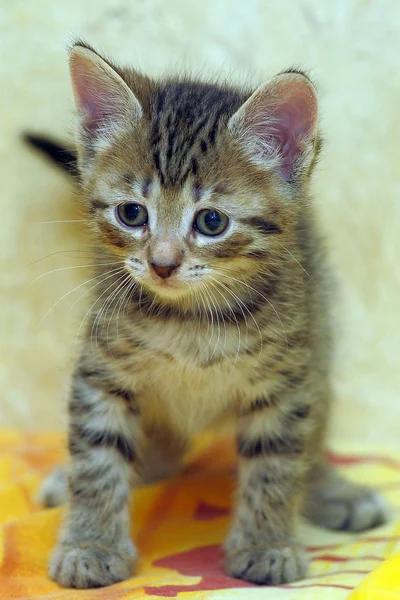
(61, 156)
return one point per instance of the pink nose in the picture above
(163, 271)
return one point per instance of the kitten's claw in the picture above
(87, 566)
(271, 564)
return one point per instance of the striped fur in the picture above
(242, 334)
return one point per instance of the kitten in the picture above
(211, 303)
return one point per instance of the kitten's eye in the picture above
(210, 222)
(132, 215)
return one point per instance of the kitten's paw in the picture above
(271, 564)
(361, 511)
(85, 566)
(54, 489)
(339, 504)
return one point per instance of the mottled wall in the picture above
(352, 49)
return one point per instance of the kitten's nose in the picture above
(164, 271)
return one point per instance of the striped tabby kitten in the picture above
(212, 305)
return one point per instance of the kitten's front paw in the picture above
(90, 566)
(268, 563)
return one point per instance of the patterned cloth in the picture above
(179, 526)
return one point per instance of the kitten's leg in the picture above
(162, 452)
(262, 547)
(95, 548)
(334, 502)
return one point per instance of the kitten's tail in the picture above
(58, 154)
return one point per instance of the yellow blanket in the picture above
(179, 526)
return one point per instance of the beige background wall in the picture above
(352, 48)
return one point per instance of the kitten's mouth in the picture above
(169, 286)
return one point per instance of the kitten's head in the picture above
(192, 185)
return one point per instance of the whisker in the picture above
(233, 314)
(103, 311)
(151, 305)
(66, 221)
(95, 324)
(212, 319)
(251, 316)
(70, 292)
(140, 297)
(204, 311)
(262, 296)
(59, 252)
(108, 274)
(221, 313)
(121, 286)
(215, 305)
(124, 301)
(91, 308)
(204, 308)
(238, 302)
(198, 319)
(73, 267)
(295, 259)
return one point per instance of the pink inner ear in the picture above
(91, 104)
(289, 122)
(97, 96)
(93, 100)
(295, 123)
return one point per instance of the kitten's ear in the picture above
(277, 125)
(103, 99)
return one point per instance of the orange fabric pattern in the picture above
(179, 526)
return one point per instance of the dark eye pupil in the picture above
(131, 211)
(212, 220)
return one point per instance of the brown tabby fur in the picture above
(248, 338)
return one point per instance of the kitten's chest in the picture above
(190, 399)
(193, 345)
(188, 376)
